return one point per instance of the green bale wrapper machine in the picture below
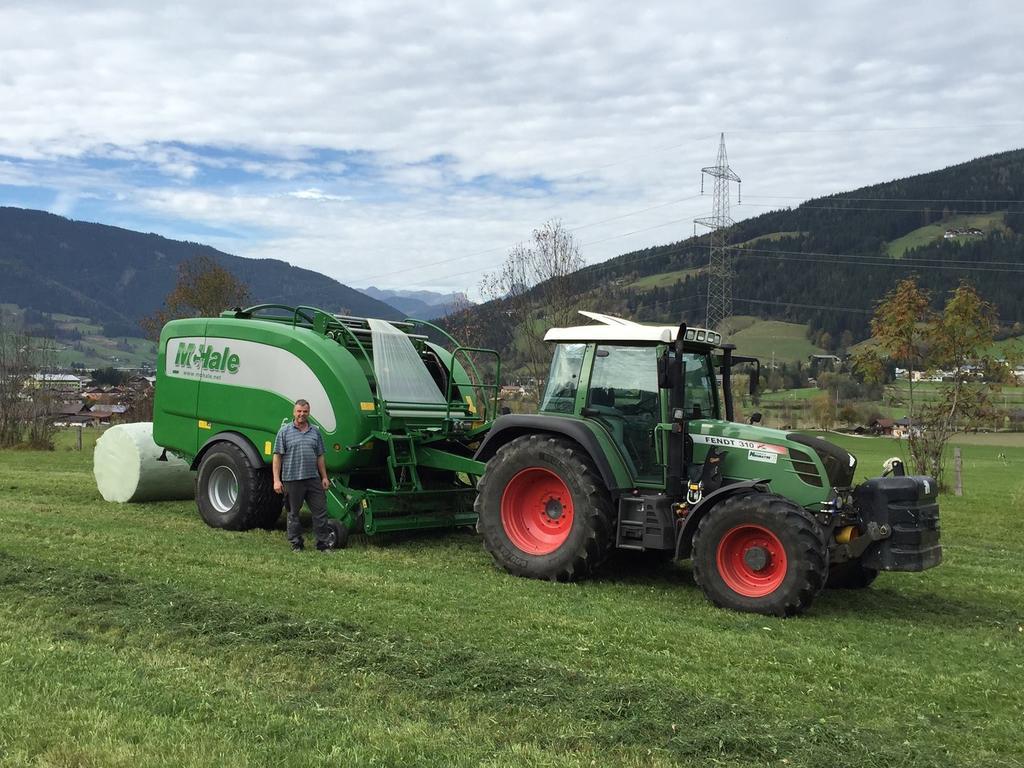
(400, 414)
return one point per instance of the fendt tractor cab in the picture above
(634, 448)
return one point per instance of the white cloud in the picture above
(314, 130)
(315, 194)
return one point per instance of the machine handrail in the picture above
(488, 412)
(294, 310)
(458, 346)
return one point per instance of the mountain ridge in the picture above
(426, 305)
(118, 276)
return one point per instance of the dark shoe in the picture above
(297, 547)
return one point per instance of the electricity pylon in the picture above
(719, 263)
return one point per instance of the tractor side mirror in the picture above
(755, 417)
(664, 374)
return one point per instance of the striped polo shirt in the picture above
(299, 451)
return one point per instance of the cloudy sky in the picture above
(410, 145)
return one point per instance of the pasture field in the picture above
(932, 232)
(134, 635)
(800, 395)
(775, 339)
(664, 279)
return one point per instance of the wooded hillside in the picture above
(828, 260)
(117, 276)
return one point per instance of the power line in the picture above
(866, 260)
(831, 308)
(797, 305)
(805, 207)
(842, 196)
(670, 222)
(881, 258)
(639, 257)
(781, 255)
(421, 265)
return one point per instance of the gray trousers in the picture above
(312, 492)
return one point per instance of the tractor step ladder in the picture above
(401, 463)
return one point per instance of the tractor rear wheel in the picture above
(850, 575)
(543, 510)
(233, 494)
(760, 553)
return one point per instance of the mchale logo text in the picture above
(206, 358)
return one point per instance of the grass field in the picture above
(99, 351)
(932, 232)
(1011, 349)
(787, 342)
(793, 406)
(773, 237)
(135, 635)
(95, 350)
(664, 278)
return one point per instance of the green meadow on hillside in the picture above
(94, 349)
(932, 232)
(774, 339)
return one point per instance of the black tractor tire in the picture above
(850, 575)
(337, 538)
(521, 504)
(760, 553)
(231, 493)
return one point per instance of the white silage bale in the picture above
(127, 467)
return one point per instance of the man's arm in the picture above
(275, 463)
(321, 467)
(321, 463)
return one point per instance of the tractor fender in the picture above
(508, 428)
(685, 535)
(235, 438)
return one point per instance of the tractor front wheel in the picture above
(760, 553)
(543, 510)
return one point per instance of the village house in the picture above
(61, 383)
(962, 232)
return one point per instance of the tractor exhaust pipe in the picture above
(677, 437)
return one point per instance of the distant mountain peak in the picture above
(426, 305)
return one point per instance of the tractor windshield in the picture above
(700, 402)
(564, 378)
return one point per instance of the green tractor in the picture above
(635, 449)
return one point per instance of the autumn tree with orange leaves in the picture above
(909, 332)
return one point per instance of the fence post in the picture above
(958, 480)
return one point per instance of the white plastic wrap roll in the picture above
(127, 467)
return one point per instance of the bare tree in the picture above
(536, 290)
(26, 404)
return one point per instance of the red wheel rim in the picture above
(536, 511)
(751, 560)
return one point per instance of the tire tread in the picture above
(594, 549)
(811, 560)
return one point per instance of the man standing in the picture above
(300, 472)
